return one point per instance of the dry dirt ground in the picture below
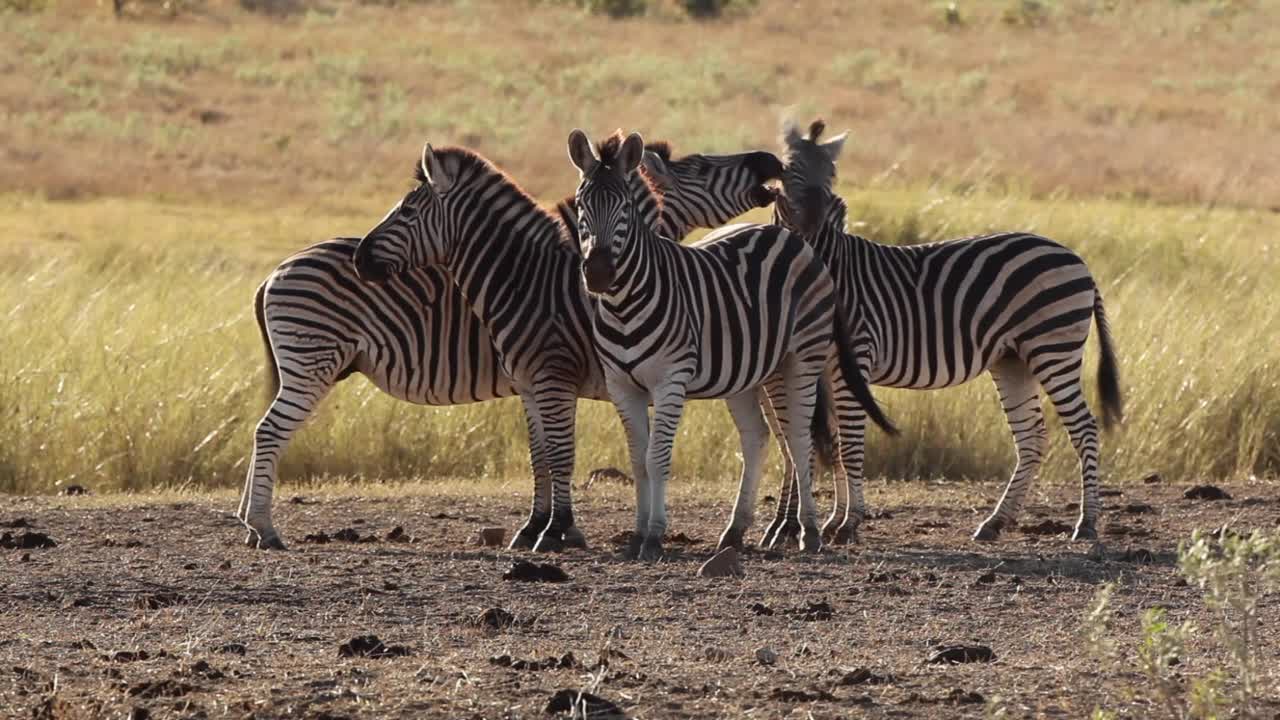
(150, 609)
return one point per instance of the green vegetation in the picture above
(1235, 572)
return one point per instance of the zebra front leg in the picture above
(288, 411)
(1066, 391)
(558, 409)
(1020, 398)
(754, 433)
(540, 514)
(668, 407)
(633, 409)
(802, 390)
(785, 525)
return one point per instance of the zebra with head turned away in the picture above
(416, 337)
(715, 320)
(1015, 305)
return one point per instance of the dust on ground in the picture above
(391, 610)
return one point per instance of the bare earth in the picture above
(159, 607)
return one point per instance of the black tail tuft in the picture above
(273, 372)
(1108, 369)
(824, 443)
(853, 374)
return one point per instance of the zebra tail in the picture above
(273, 372)
(824, 444)
(853, 374)
(1108, 369)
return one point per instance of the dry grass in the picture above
(133, 361)
(1162, 99)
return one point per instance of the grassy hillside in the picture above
(156, 168)
(1165, 99)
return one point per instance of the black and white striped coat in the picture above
(417, 338)
(1016, 305)
(715, 320)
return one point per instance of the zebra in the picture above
(747, 304)
(416, 337)
(1013, 304)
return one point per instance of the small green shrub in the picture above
(1235, 572)
(23, 6)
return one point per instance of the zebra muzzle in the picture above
(598, 270)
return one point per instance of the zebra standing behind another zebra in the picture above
(416, 337)
(1016, 305)
(715, 320)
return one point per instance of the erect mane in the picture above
(470, 164)
(661, 148)
(608, 150)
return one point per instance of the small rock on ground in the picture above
(491, 537)
(766, 656)
(525, 571)
(582, 704)
(371, 647)
(723, 564)
(956, 654)
(1206, 492)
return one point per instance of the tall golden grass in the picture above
(132, 361)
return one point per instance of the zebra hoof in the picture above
(651, 550)
(523, 541)
(549, 542)
(730, 538)
(1085, 532)
(574, 538)
(846, 534)
(632, 550)
(811, 541)
(268, 540)
(989, 530)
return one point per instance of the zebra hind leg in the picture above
(1020, 398)
(785, 526)
(847, 515)
(291, 407)
(1066, 391)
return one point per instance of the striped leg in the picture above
(540, 515)
(850, 507)
(785, 526)
(297, 398)
(633, 407)
(1063, 384)
(801, 390)
(1020, 397)
(559, 408)
(668, 407)
(754, 433)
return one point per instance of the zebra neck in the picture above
(638, 266)
(511, 263)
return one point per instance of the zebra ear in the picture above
(434, 171)
(656, 169)
(835, 145)
(581, 153)
(632, 153)
(790, 132)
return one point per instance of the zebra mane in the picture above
(661, 148)
(608, 150)
(470, 164)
